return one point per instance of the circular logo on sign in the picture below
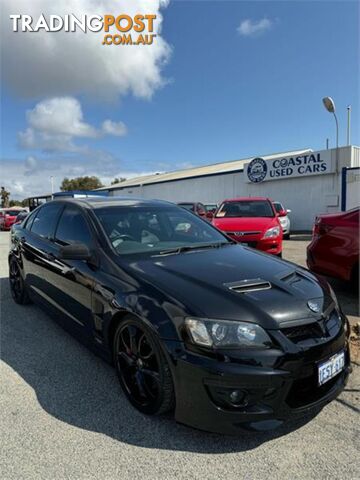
(257, 170)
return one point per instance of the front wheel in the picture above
(17, 284)
(142, 368)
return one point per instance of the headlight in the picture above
(272, 232)
(222, 333)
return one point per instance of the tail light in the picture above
(321, 228)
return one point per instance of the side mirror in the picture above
(282, 213)
(77, 251)
(288, 211)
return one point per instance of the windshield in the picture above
(155, 229)
(211, 207)
(246, 208)
(12, 213)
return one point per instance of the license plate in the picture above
(330, 368)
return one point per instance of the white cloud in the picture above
(118, 129)
(252, 28)
(32, 176)
(59, 63)
(54, 123)
(60, 116)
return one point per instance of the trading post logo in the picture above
(130, 30)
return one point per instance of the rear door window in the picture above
(45, 220)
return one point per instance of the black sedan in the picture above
(226, 336)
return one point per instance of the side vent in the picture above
(246, 286)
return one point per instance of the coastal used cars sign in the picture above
(313, 163)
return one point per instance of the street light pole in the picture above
(348, 133)
(52, 186)
(329, 104)
(337, 129)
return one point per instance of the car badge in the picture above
(314, 306)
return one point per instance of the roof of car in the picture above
(247, 199)
(100, 202)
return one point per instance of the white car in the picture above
(283, 219)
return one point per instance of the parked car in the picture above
(21, 217)
(210, 210)
(192, 321)
(251, 221)
(195, 207)
(283, 219)
(334, 249)
(8, 217)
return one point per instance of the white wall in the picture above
(305, 197)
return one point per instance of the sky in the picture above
(224, 80)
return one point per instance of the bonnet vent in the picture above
(245, 286)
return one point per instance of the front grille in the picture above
(243, 234)
(251, 244)
(327, 328)
(303, 332)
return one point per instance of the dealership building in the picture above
(307, 182)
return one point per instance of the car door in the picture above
(72, 281)
(36, 248)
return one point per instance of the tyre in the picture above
(355, 280)
(17, 284)
(287, 236)
(142, 368)
(279, 255)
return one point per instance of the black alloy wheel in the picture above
(142, 368)
(17, 285)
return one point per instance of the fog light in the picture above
(237, 397)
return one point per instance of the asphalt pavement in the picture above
(63, 416)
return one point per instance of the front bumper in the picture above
(268, 245)
(277, 386)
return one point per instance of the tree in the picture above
(80, 183)
(16, 203)
(118, 180)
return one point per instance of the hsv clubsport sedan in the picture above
(226, 336)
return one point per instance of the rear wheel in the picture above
(17, 284)
(142, 368)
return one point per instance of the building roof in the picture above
(216, 168)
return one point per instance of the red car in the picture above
(334, 249)
(252, 221)
(8, 217)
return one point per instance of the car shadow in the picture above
(300, 237)
(347, 295)
(80, 389)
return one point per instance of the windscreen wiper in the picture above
(187, 248)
